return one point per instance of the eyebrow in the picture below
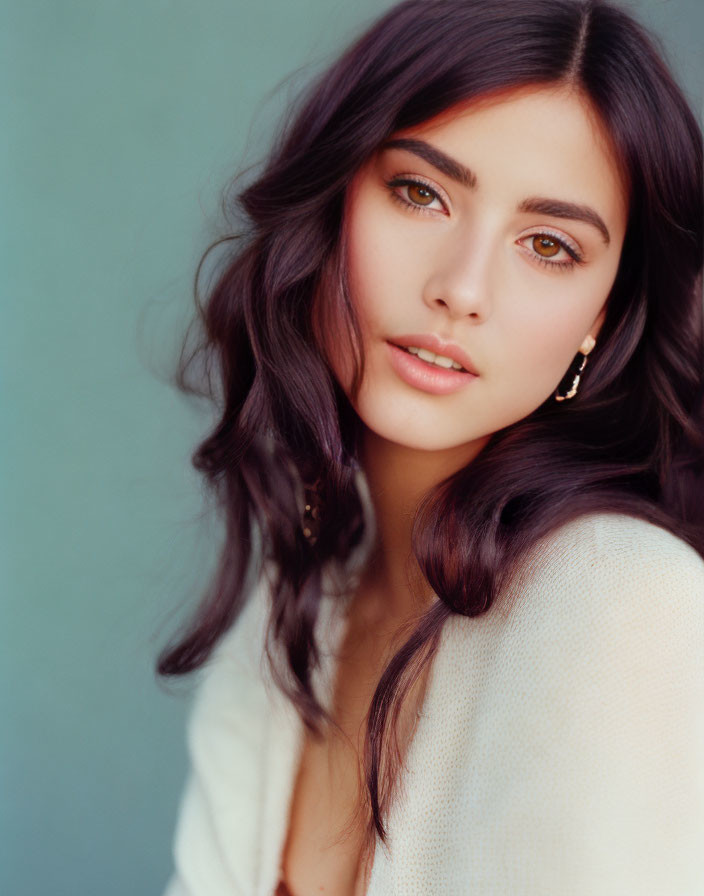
(437, 159)
(554, 208)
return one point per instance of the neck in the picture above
(398, 478)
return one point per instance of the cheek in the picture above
(537, 351)
(382, 278)
(365, 276)
(547, 345)
(372, 267)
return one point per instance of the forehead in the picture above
(546, 140)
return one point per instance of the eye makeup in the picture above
(404, 181)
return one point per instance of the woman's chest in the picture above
(327, 821)
(324, 851)
(325, 838)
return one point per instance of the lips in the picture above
(430, 378)
(439, 346)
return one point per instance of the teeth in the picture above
(440, 360)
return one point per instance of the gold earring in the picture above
(310, 523)
(585, 348)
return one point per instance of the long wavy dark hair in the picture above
(632, 441)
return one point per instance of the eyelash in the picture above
(575, 257)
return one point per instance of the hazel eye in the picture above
(420, 194)
(546, 246)
(416, 195)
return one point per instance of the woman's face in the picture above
(496, 227)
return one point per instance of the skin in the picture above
(459, 260)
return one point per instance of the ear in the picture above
(591, 337)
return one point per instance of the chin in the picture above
(417, 436)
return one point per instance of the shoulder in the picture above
(620, 535)
(608, 612)
(229, 684)
(611, 559)
(228, 740)
(582, 691)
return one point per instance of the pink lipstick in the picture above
(425, 374)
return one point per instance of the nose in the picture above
(459, 279)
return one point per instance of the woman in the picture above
(479, 607)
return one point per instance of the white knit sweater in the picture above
(559, 752)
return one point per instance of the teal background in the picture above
(122, 122)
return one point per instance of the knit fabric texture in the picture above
(560, 747)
